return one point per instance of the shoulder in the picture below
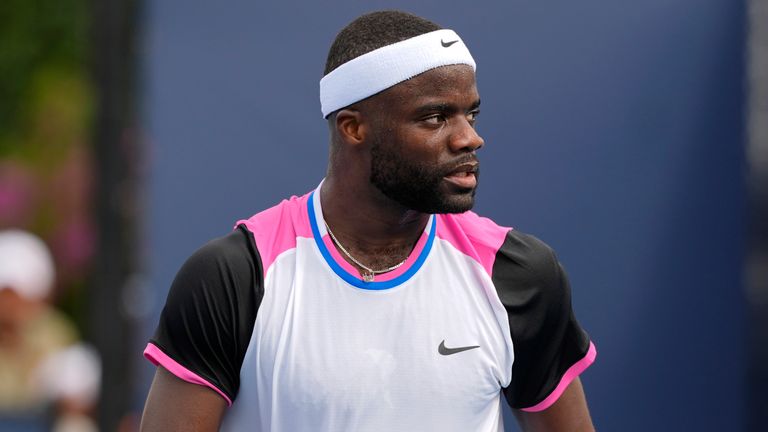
(473, 235)
(290, 213)
(478, 229)
(276, 229)
(223, 267)
(527, 252)
(500, 249)
(527, 266)
(234, 250)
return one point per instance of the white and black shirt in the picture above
(273, 319)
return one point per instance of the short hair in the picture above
(372, 31)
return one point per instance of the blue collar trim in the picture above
(355, 280)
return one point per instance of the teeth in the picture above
(463, 174)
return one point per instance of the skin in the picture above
(174, 405)
(568, 413)
(429, 121)
(428, 124)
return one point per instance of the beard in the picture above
(416, 186)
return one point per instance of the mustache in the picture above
(465, 160)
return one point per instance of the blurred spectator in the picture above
(42, 367)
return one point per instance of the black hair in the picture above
(372, 31)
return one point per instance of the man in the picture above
(377, 302)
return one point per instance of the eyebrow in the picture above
(444, 108)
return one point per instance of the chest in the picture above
(434, 341)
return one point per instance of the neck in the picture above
(375, 229)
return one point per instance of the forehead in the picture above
(454, 83)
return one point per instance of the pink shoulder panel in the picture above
(275, 230)
(475, 236)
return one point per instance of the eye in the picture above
(472, 116)
(434, 119)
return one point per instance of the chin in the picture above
(458, 207)
(454, 203)
(420, 196)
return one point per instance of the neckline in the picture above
(349, 273)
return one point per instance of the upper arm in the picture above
(174, 405)
(568, 414)
(205, 327)
(550, 348)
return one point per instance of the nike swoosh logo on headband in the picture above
(447, 44)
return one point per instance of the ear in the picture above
(350, 126)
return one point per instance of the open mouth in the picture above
(465, 176)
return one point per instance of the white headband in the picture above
(382, 68)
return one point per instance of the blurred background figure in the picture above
(47, 378)
(52, 115)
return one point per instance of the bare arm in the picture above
(568, 414)
(174, 405)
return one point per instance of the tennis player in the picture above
(377, 301)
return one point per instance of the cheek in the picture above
(424, 146)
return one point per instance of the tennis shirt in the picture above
(273, 319)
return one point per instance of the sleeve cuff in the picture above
(159, 358)
(575, 370)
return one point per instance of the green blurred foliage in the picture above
(43, 45)
(46, 105)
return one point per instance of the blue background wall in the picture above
(613, 131)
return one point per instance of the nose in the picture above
(465, 138)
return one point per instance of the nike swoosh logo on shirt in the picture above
(447, 44)
(443, 350)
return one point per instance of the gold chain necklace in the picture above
(367, 273)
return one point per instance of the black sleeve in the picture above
(206, 324)
(547, 339)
